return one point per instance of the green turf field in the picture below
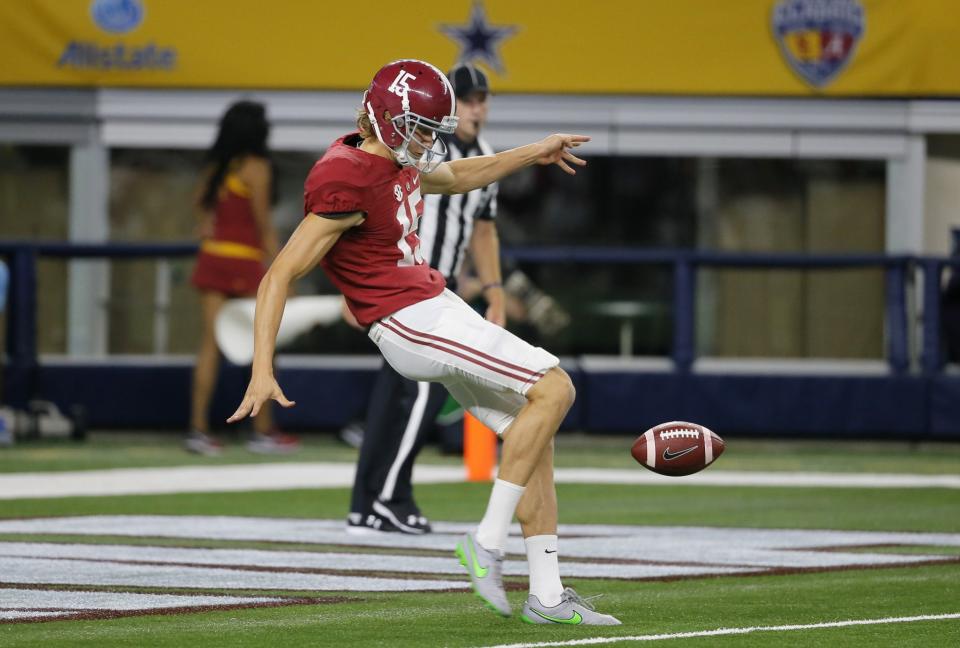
(647, 607)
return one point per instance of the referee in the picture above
(401, 411)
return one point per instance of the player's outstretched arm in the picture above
(306, 247)
(467, 174)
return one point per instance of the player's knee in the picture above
(562, 388)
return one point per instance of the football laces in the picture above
(680, 433)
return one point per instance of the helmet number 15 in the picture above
(409, 219)
(401, 85)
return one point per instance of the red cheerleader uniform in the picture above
(232, 261)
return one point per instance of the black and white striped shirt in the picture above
(447, 222)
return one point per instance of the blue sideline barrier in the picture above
(827, 406)
(897, 403)
(158, 395)
(125, 395)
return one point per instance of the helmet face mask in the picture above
(414, 129)
(409, 103)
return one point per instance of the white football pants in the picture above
(487, 369)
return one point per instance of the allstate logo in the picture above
(818, 37)
(117, 16)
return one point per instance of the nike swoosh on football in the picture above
(668, 456)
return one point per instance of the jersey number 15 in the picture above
(409, 242)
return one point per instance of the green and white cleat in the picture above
(486, 573)
(572, 610)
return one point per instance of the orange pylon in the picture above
(479, 449)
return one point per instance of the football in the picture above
(677, 448)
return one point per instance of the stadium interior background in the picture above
(765, 242)
(740, 161)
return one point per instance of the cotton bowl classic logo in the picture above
(818, 37)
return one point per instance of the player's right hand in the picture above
(555, 149)
(259, 391)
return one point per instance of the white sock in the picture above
(544, 569)
(492, 532)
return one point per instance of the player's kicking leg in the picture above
(548, 602)
(514, 388)
(524, 443)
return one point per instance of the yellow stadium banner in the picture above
(701, 47)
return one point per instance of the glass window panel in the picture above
(712, 204)
(722, 204)
(151, 193)
(34, 197)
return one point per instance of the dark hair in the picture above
(243, 131)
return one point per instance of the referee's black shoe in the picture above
(360, 524)
(404, 516)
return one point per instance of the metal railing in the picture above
(686, 263)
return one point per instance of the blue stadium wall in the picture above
(130, 395)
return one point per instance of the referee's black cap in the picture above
(466, 78)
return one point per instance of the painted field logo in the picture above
(117, 16)
(818, 37)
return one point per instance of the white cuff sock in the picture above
(492, 532)
(544, 569)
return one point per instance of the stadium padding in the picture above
(626, 400)
(761, 404)
(945, 407)
(158, 395)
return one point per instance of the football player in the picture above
(362, 203)
(401, 412)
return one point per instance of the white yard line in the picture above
(45, 571)
(14, 615)
(734, 631)
(16, 604)
(65, 600)
(283, 476)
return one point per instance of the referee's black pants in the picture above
(400, 416)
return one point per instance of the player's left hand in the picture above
(556, 150)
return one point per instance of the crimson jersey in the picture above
(377, 264)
